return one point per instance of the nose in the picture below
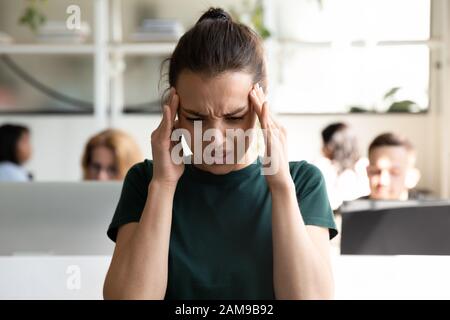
(385, 178)
(218, 132)
(103, 175)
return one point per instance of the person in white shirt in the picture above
(15, 150)
(341, 165)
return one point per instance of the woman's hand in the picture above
(275, 161)
(164, 169)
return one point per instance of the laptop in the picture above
(396, 227)
(57, 218)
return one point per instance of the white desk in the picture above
(52, 277)
(392, 277)
(357, 277)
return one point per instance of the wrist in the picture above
(281, 187)
(163, 184)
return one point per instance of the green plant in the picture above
(33, 15)
(252, 14)
(403, 106)
(357, 109)
(395, 105)
(391, 93)
(258, 20)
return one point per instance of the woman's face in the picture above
(220, 103)
(103, 165)
(24, 149)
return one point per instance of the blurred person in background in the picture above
(109, 154)
(392, 171)
(15, 151)
(343, 168)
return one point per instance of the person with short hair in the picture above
(392, 167)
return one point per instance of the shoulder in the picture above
(141, 171)
(6, 165)
(12, 171)
(133, 196)
(305, 171)
(312, 195)
(138, 177)
(306, 176)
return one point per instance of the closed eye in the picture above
(235, 118)
(193, 118)
(228, 118)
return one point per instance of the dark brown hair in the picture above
(390, 139)
(330, 130)
(342, 145)
(10, 135)
(216, 44)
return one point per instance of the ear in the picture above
(326, 152)
(412, 178)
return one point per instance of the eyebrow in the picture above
(238, 110)
(193, 112)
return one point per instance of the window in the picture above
(353, 56)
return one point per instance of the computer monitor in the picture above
(60, 218)
(396, 228)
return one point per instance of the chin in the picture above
(218, 168)
(382, 196)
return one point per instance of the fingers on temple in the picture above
(174, 104)
(166, 121)
(169, 113)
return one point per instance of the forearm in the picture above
(140, 271)
(300, 271)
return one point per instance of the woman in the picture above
(220, 231)
(15, 151)
(108, 155)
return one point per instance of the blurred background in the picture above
(71, 69)
(377, 64)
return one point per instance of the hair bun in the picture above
(215, 14)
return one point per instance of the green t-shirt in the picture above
(221, 235)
